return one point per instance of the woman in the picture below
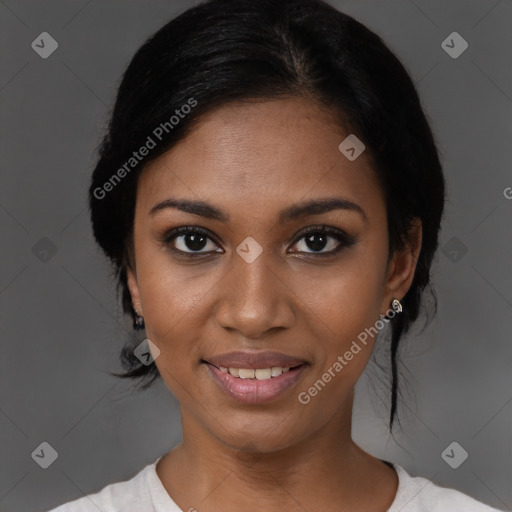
(270, 194)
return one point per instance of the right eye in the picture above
(190, 240)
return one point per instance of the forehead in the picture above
(254, 155)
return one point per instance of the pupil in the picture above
(315, 246)
(195, 242)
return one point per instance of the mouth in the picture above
(257, 373)
(254, 378)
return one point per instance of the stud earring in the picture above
(396, 305)
(138, 323)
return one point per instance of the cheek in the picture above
(342, 310)
(173, 303)
(346, 298)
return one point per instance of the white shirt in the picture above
(146, 493)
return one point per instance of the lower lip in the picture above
(254, 391)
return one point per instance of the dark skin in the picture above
(251, 160)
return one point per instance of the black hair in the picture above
(225, 50)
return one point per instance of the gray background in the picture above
(61, 328)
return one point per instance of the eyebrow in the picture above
(295, 211)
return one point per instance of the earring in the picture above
(138, 322)
(396, 305)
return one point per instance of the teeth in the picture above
(276, 371)
(263, 374)
(246, 373)
(259, 373)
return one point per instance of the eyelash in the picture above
(345, 240)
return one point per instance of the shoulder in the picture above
(418, 494)
(142, 492)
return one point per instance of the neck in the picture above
(325, 470)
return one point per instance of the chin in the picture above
(260, 436)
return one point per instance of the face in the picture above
(258, 304)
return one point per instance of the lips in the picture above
(244, 376)
(255, 360)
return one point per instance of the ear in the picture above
(402, 266)
(134, 290)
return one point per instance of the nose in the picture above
(255, 299)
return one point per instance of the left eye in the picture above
(322, 241)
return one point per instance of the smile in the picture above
(256, 385)
(255, 373)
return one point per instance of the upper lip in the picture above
(255, 360)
